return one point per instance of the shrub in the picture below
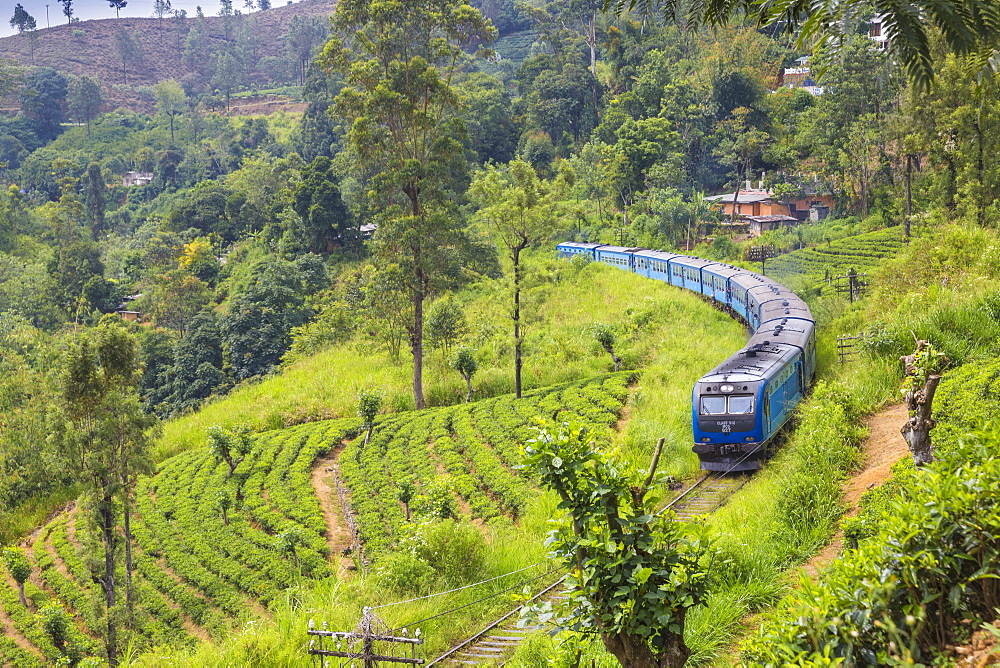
(903, 592)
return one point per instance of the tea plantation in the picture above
(861, 253)
(199, 570)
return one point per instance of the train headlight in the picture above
(727, 388)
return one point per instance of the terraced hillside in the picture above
(471, 448)
(200, 570)
(861, 253)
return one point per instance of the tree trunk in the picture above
(916, 430)
(417, 333)
(736, 199)
(127, 530)
(633, 651)
(107, 518)
(468, 383)
(909, 195)
(980, 170)
(516, 257)
(20, 592)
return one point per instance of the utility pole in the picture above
(47, 16)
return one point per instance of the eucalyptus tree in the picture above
(85, 100)
(398, 61)
(105, 436)
(170, 101)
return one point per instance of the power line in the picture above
(452, 591)
(484, 598)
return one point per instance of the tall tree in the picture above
(20, 19)
(85, 100)
(118, 6)
(520, 210)
(398, 60)
(23, 22)
(105, 436)
(161, 8)
(741, 146)
(301, 40)
(93, 197)
(129, 49)
(67, 9)
(226, 75)
(43, 101)
(170, 101)
(325, 218)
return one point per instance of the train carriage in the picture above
(718, 276)
(570, 249)
(654, 264)
(616, 256)
(685, 272)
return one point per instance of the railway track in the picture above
(706, 494)
(498, 640)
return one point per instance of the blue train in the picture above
(740, 405)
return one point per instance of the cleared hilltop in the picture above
(88, 48)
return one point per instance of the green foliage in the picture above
(634, 572)
(230, 445)
(325, 220)
(369, 404)
(257, 328)
(926, 568)
(444, 323)
(55, 622)
(464, 362)
(18, 566)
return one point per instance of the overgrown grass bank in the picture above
(648, 317)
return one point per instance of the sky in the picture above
(99, 9)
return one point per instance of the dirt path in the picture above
(883, 448)
(28, 545)
(338, 536)
(9, 631)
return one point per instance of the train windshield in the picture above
(713, 405)
(740, 404)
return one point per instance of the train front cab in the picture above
(739, 406)
(727, 432)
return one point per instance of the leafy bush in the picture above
(903, 592)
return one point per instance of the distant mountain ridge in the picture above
(87, 48)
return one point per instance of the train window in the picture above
(740, 404)
(713, 405)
